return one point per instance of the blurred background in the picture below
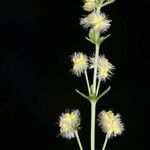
(36, 85)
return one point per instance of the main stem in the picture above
(87, 82)
(95, 67)
(78, 139)
(98, 86)
(105, 142)
(93, 110)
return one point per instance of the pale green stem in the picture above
(105, 142)
(87, 82)
(98, 86)
(78, 139)
(93, 111)
(95, 68)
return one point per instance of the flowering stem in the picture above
(93, 110)
(98, 86)
(95, 68)
(105, 142)
(87, 81)
(78, 139)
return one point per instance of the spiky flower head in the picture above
(89, 5)
(111, 124)
(69, 122)
(104, 67)
(80, 63)
(97, 21)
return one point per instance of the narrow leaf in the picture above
(103, 93)
(82, 94)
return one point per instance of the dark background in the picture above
(36, 85)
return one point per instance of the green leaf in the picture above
(94, 37)
(102, 3)
(102, 39)
(103, 93)
(82, 94)
(107, 2)
(89, 40)
(91, 88)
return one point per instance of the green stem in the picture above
(105, 142)
(98, 86)
(93, 111)
(87, 82)
(95, 68)
(78, 139)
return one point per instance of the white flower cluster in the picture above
(97, 21)
(69, 123)
(81, 63)
(111, 124)
(104, 67)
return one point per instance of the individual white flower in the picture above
(80, 63)
(69, 123)
(111, 124)
(97, 21)
(104, 67)
(89, 5)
